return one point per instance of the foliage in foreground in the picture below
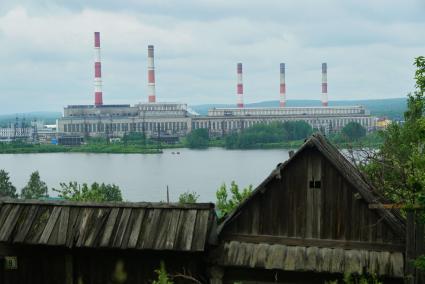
(398, 167)
(357, 279)
(188, 197)
(225, 203)
(96, 192)
(6, 187)
(163, 277)
(35, 188)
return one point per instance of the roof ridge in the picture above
(121, 204)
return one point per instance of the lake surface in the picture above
(144, 177)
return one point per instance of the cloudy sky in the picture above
(46, 49)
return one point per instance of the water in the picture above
(145, 177)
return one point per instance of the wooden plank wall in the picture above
(290, 208)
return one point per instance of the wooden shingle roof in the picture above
(346, 168)
(123, 225)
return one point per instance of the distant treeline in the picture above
(260, 134)
(290, 134)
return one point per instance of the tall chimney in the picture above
(324, 84)
(151, 75)
(239, 86)
(98, 101)
(282, 102)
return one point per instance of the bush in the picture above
(226, 205)
(96, 192)
(188, 197)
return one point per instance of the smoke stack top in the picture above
(239, 87)
(96, 39)
(98, 100)
(239, 68)
(151, 75)
(282, 102)
(324, 84)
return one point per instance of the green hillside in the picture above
(49, 117)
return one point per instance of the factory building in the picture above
(152, 119)
(175, 119)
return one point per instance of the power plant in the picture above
(167, 119)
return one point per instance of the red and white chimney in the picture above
(324, 84)
(239, 86)
(98, 100)
(151, 75)
(282, 102)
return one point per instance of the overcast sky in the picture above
(46, 49)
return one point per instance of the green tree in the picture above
(6, 186)
(353, 131)
(188, 197)
(35, 188)
(297, 130)
(198, 138)
(225, 203)
(398, 167)
(96, 192)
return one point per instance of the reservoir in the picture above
(144, 177)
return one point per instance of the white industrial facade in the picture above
(174, 119)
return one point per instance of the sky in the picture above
(46, 49)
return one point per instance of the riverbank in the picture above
(86, 148)
(137, 145)
(157, 149)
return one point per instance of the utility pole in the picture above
(168, 195)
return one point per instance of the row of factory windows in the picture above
(160, 107)
(124, 127)
(288, 111)
(236, 124)
(78, 114)
(210, 124)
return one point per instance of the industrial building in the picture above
(175, 119)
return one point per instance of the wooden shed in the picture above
(72, 242)
(308, 222)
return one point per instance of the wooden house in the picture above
(72, 242)
(310, 222)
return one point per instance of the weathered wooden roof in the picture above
(314, 259)
(347, 169)
(122, 225)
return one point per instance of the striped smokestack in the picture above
(324, 84)
(98, 101)
(151, 75)
(239, 86)
(282, 102)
